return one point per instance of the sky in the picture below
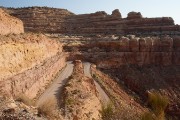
(148, 8)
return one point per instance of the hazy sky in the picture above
(148, 8)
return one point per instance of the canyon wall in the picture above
(10, 24)
(129, 50)
(53, 20)
(28, 63)
(41, 19)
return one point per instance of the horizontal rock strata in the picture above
(52, 20)
(129, 51)
(28, 63)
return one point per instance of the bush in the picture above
(23, 98)
(158, 104)
(147, 116)
(47, 108)
(107, 112)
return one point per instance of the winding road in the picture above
(55, 88)
(103, 96)
(53, 92)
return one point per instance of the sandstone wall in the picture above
(42, 19)
(28, 63)
(52, 20)
(129, 51)
(10, 24)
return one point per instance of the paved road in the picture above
(103, 96)
(53, 91)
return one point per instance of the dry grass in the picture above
(148, 116)
(23, 98)
(107, 111)
(49, 110)
(158, 103)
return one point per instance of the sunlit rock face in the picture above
(9, 24)
(28, 62)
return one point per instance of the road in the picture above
(53, 91)
(103, 96)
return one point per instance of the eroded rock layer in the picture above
(28, 63)
(109, 53)
(10, 24)
(52, 20)
(42, 19)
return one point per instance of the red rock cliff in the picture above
(52, 20)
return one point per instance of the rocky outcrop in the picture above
(10, 24)
(28, 63)
(53, 20)
(134, 15)
(116, 13)
(80, 96)
(17, 110)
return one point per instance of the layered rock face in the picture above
(95, 23)
(41, 19)
(10, 24)
(136, 24)
(130, 50)
(28, 62)
(52, 20)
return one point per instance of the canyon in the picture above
(117, 62)
(52, 20)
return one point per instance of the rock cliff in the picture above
(41, 19)
(28, 62)
(130, 50)
(52, 20)
(10, 24)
